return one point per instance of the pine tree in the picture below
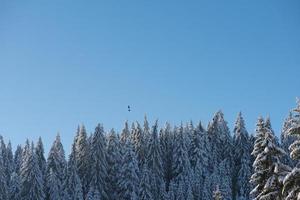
(287, 140)
(5, 163)
(56, 164)
(18, 159)
(146, 129)
(154, 163)
(3, 179)
(182, 174)
(199, 159)
(291, 189)
(166, 144)
(81, 156)
(139, 144)
(72, 184)
(14, 192)
(129, 176)
(10, 161)
(31, 176)
(267, 167)
(114, 165)
(98, 163)
(39, 151)
(220, 140)
(125, 135)
(242, 160)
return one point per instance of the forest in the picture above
(148, 162)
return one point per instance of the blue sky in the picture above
(63, 63)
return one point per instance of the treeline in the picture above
(185, 162)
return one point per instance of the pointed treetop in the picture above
(260, 123)
(239, 128)
(200, 127)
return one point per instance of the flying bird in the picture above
(129, 109)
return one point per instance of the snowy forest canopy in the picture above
(185, 162)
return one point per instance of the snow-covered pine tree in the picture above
(14, 192)
(242, 160)
(31, 176)
(220, 140)
(72, 185)
(188, 131)
(125, 135)
(3, 179)
(268, 170)
(99, 163)
(56, 163)
(39, 152)
(5, 162)
(10, 160)
(197, 149)
(139, 144)
(198, 153)
(166, 144)
(128, 182)
(145, 185)
(182, 173)
(287, 140)
(18, 159)
(114, 165)
(154, 163)
(259, 177)
(81, 156)
(291, 189)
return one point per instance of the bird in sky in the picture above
(129, 109)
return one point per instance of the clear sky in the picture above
(63, 63)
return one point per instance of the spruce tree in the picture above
(242, 160)
(31, 176)
(129, 176)
(18, 159)
(182, 173)
(268, 170)
(220, 140)
(291, 189)
(99, 163)
(39, 151)
(3, 179)
(199, 158)
(72, 185)
(81, 156)
(139, 144)
(166, 144)
(287, 140)
(114, 165)
(10, 161)
(154, 163)
(56, 164)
